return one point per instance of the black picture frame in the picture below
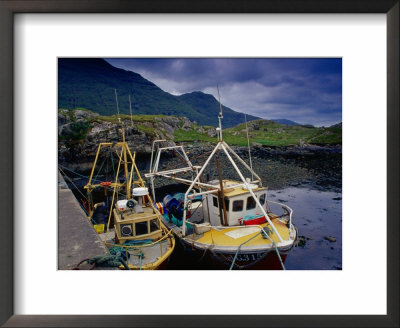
(10, 7)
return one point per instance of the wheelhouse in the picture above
(238, 202)
(137, 218)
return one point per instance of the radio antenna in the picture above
(130, 108)
(220, 117)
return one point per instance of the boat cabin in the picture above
(238, 203)
(134, 219)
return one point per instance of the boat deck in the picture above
(150, 254)
(235, 236)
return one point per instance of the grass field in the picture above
(269, 133)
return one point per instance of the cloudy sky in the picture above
(307, 91)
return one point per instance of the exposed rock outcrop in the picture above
(80, 132)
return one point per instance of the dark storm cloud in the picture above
(306, 90)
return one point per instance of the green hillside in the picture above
(90, 83)
(270, 133)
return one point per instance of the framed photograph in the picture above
(360, 35)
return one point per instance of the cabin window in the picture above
(251, 203)
(126, 230)
(215, 201)
(154, 225)
(226, 200)
(237, 206)
(141, 228)
(262, 199)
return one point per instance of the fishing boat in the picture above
(226, 223)
(123, 212)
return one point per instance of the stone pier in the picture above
(77, 239)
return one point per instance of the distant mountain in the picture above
(284, 121)
(336, 126)
(90, 83)
(207, 104)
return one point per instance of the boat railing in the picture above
(177, 149)
(167, 234)
(284, 207)
(154, 163)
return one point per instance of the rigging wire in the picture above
(66, 176)
(248, 146)
(78, 174)
(101, 166)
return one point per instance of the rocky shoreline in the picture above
(316, 167)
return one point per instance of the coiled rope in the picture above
(108, 260)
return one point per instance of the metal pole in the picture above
(252, 193)
(152, 151)
(186, 158)
(193, 183)
(198, 184)
(155, 167)
(115, 187)
(151, 157)
(123, 138)
(242, 161)
(204, 193)
(116, 100)
(220, 116)
(152, 188)
(129, 183)
(221, 192)
(94, 164)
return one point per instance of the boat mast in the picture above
(123, 147)
(129, 183)
(222, 210)
(220, 117)
(221, 184)
(130, 108)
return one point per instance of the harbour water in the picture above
(318, 218)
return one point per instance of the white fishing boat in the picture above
(228, 223)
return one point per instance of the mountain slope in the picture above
(207, 104)
(284, 121)
(90, 83)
